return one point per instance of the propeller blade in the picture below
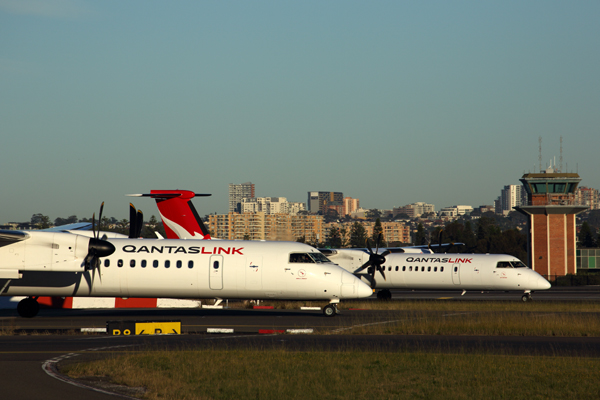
(139, 223)
(365, 265)
(132, 221)
(382, 270)
(99, 220)
(94, 224)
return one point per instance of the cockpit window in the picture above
(308, 258)
(518, 264)
(319, 257)
(301, 258)
(510, 264)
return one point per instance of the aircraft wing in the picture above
(83, 226)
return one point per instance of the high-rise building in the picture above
(350, 205)
(237, 192)
(511, 196)
(320, 202)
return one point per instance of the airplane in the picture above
(415, 267)
(36, 263)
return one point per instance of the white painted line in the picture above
(297, 331)
(97, 330)
(219, 330)
(205, 306)
(310, 308)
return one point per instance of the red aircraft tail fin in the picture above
(179, 216)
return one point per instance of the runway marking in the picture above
(50, 368)
(397, 320)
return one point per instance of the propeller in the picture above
(136, 222)
(375, 261)
(97, 247)
(439, 246)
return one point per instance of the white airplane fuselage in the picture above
(52, 264)
(445, 271)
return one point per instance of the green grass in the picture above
(453, 305)
(455, 322)
(278, 374)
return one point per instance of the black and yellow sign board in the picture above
(127, 328)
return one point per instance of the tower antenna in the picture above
(560, 159)
(540, 156)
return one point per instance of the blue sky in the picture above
(390, 102)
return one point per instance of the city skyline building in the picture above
(237, 192)
(320, 202)
(510, 196)
(270, 205)
(588, 197)
(414, 210)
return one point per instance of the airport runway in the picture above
(22, 356)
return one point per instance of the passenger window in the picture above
(190, 264)
(106, 262)
(143, 263)
(404, 268)
(434, 269)
(410, 268)
(216, 265)
(179, 263)
(428, 269)
(422, 269)
(397, 268)
(441, 269)
(389, 269)
(120, 263)
(132, 263)
(455, 269)
(155, 263)
(167, 263)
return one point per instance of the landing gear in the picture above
(330, 310)
(526, 297)
(384, 295)
(28, 307)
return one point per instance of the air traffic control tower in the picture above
(551, 208)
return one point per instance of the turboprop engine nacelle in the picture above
(48, 251)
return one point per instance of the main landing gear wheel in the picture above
(384, 295)
(330, 310)
(28, 307)
(526, 297)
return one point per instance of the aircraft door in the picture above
(215, 272)
(456, 274)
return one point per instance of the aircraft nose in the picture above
(539, 282)
(543, 284)
(364, 290)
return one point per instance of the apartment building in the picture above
(262, 226)
(237, 192)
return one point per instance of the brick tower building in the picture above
(551, 207)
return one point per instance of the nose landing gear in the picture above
(526, 297)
